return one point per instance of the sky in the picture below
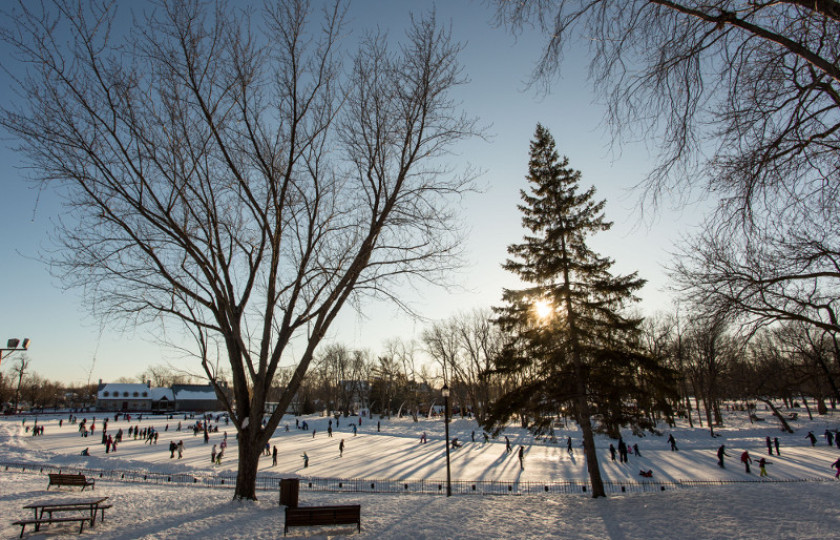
(69, 345)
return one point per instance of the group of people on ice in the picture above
(745, 459)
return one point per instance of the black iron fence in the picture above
(360, 485)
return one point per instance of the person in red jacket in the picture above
(746, 460)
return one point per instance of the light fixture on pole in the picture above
(14, 344)
(445, 392)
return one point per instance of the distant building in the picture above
(124, 397)
(128, 397)
(195, 397)
(163, 400)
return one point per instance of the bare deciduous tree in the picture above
(744, 94)
(786, 271)
(467, 346)
(240, 179)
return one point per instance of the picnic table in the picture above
(84, 509)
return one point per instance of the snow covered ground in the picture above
(748, 508)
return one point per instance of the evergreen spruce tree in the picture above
(571, 342)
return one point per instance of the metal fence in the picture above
(361, 485)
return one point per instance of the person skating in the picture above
(305, 460)
(811, 437)
(622, 450)
(769, 447)
(673, 442)
(762, 464)
(213, 455)
(776, 445)
(720, 453)
(612, 452)
(521, 458)
(341, 448)
(829, 438)
(746, 460)
(507, 445)
(172, 448)
(274, 456)
(569, 449)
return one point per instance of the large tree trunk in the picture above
(589, 451)
(250, 451)
(716, 409)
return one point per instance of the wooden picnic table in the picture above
(64, 504)
(85, 509)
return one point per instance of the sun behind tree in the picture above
(583, 355)
(543, 309)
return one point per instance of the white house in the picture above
(124, 397)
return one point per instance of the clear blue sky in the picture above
(66, 339)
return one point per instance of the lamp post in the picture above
(14, 344)
(445, 392)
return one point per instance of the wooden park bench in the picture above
(793, 416)
(57, 479)
(323, 515)
(40, 521)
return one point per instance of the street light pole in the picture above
(14, 344)
(445, 392)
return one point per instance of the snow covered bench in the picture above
(323, 515)
(69, 480)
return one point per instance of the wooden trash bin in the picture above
(289, 488)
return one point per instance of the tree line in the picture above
(713, 363)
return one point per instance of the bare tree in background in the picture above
(787, 270)
(240, 178)
(710, 351)
(417, 380)
(162, 376)
(19, 371)
(468, 343)
(343, 374)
